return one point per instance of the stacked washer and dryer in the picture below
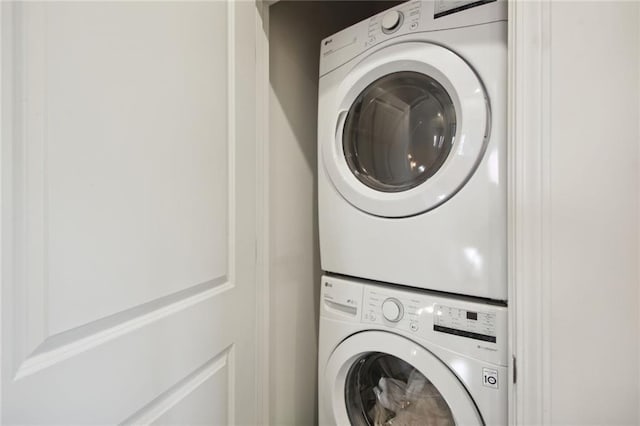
(412, 214)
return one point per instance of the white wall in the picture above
(295, 31)
(594, 217)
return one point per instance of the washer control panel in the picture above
(472, 327)
(462, 322)
(463, 325)
(380, 307)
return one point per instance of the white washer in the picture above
(412, 148)
(391, 356)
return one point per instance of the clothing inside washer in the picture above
(383, 390)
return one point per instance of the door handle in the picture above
(346, 309)
(342, 117)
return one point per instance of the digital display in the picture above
(447, 7)
(466, 323)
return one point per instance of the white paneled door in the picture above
(128, 213)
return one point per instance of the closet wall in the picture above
(295, 31)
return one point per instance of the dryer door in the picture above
(379, 378)
(411, 127)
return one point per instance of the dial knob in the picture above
(391, 21)
(392, 309)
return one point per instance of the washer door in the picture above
(379, 378)
(411, 127)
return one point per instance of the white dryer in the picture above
(389, 356)
(412, 148)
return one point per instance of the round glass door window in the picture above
(382, 390)
(399, 131)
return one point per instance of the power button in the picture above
(391, 21)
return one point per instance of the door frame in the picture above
(528, 207)
(529, 214)
(6, 138)
(263, 298)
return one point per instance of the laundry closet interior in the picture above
(295, 30)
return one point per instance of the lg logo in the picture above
(490, 378)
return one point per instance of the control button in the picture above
(413, 326)
(372, 316)
(391, 21)
(392, 309)
(413, 25)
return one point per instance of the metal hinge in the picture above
(514, 368)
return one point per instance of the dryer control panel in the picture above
(406, 19)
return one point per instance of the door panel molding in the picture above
(61, 346)
(151, 412)
(31, 195)
(174, 341)
(35, 347)
(30, 176)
